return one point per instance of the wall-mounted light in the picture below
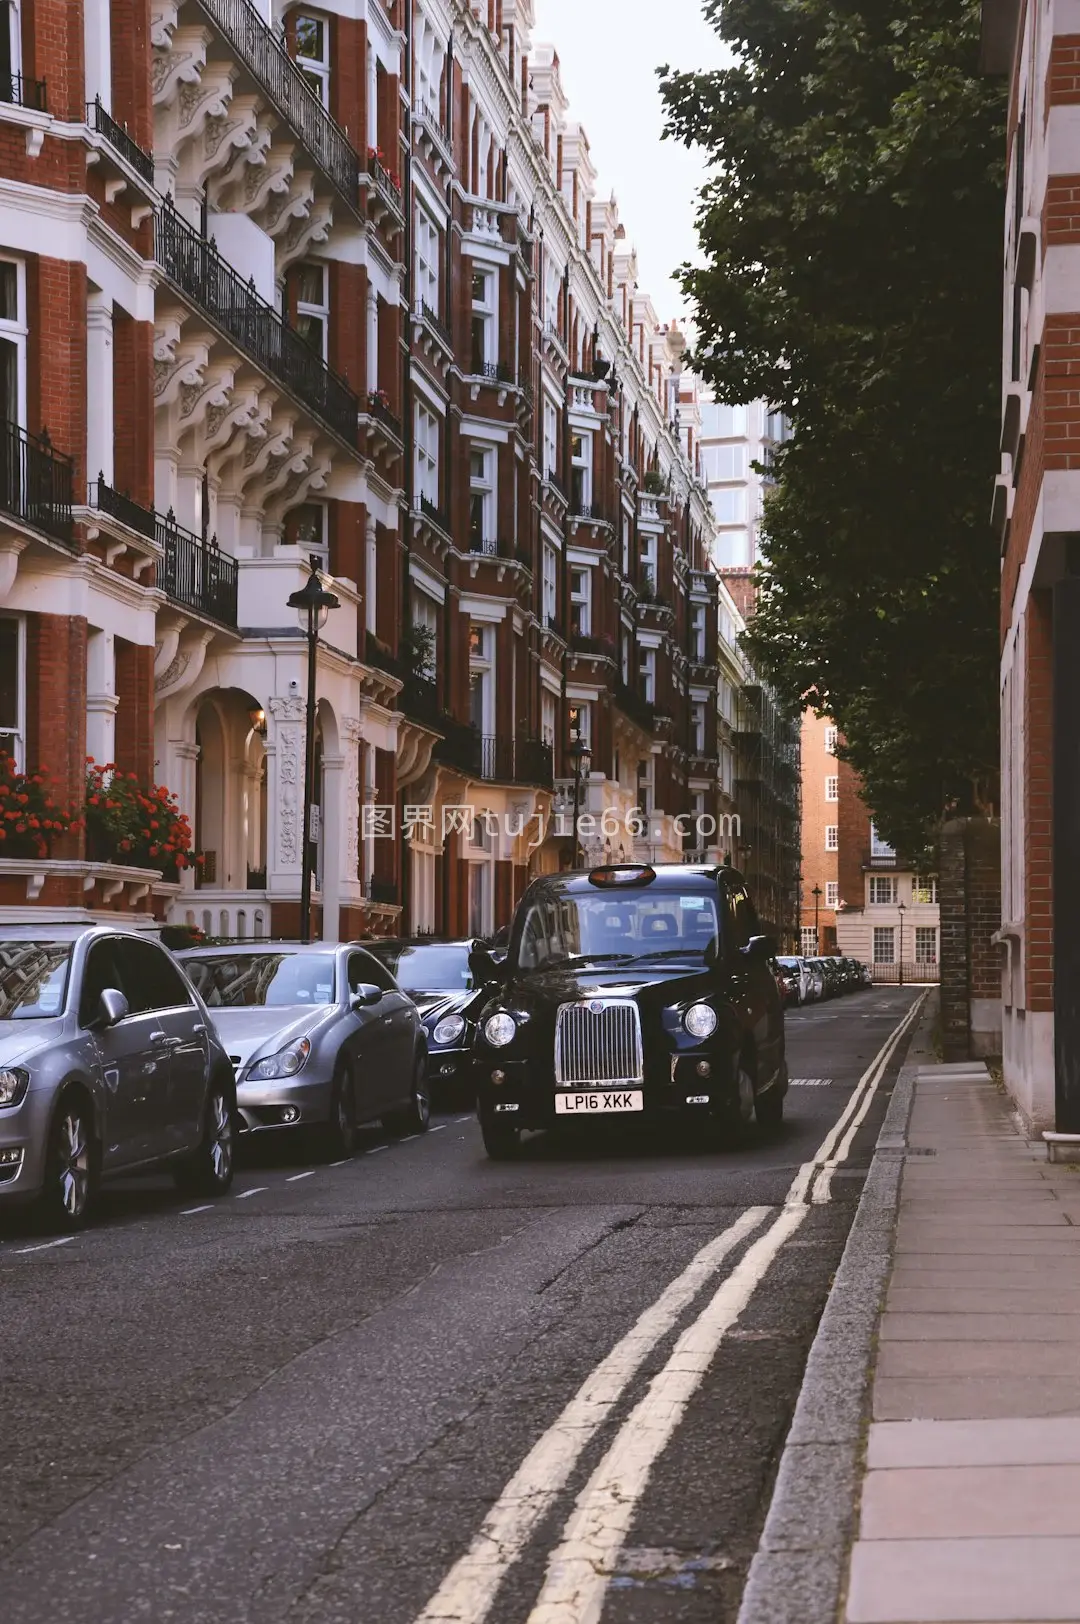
(258, 721)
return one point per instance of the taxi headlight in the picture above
(499, 1029)
(449, 1029)
(700, 1020)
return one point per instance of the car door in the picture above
(132, 1068)
(369, 1040)
(399, 1020)
(175, 1112)
(752, 988)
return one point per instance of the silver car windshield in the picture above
(562, 927)
(33, 979)
(437, 968)
(263, 980)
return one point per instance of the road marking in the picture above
(577, 1576)
(343, 1163)
(810, 1082)
(189, 1212)
(45, 1246)
(438, 1128)
(292, 1178)
(575, 1586)
(376, 1150)
(823, 1187)
(467, 1118)
(260, 1189)
(468, 1591)
(405, 1139)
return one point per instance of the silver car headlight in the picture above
(499, 1029)
(13, 1084)
(449, 1029)
(700, 1020)
(286, 1063)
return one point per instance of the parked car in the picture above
(322, 1038)
(797, 972)
(866, 975)
(833, 981)
(787, 980)
(108, 1062)
(629, 990)
(849, 971)
(815, 972)
(437, 977)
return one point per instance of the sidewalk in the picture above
(970, 1496)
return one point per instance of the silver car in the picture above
(321, 1037)
(108, 1062)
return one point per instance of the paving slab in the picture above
(925, 1294)
(971, 1502)
(983, 1327)
(1011, 1442)
(972, 1358)
(962, 1397)
(933, 1580)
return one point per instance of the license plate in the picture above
(598, 1100)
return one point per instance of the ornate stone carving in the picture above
(287, 710)
(352, 734)
(288, 742)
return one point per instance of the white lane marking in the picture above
(438, 1128)
(810, 1082)
(45, 1246)
(189, 1212)
(468, 1591)
(823, 1187)
(580, 1566)
(292, 1178)
(467, 1118)
(376, 1150)
(260, 1189)
(407, 1137)
(343, 1163)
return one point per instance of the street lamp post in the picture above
(581, 756)
(816, 894)
(901, 910)
(312, 603)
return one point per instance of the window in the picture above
(830, 741)
(481, 679)
(808, 941)
(647, 675)
(12, 688)
(882, 888)
(925, 944)
(625, 545)
(723, 422)
(551, 438)
(548, 587)
(832, 893)
(923, 889)
(10, 48)
(427, 262)
(723, 462)
(427, 454)
(548, 705)
(832, 837)
(580, 718)
(313, 54)
(481, 497)
(425, 618)
(366, 970)
(624, 659)
(648, 564)
(483, 321)
(581, 471)
(879, 847)
(581, 602)
(305, 528)
(697, 728)
(832, 788)
(729, 506)
(100, 972)
(313, 307)
(646, 786)
(151, 980)
(13, 341)
(775, 426)
(479, 885)
(697, 633)
(884, 944)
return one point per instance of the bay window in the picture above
(427, 454)
(313, 307)
(484, 348)
(427, 262)
(697, 633)
(481, 498)
(647, 675)
(549, 605)
(581, 472)
(581, 602)
(313, 53)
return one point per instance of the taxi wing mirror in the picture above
(759, 949)
(485, 967)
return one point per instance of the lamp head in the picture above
(313, 600)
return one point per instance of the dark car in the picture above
(834, 981)
(789, 971)
(438, 979)
(629, 991)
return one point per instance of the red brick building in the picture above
(281, 282)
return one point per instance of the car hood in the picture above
(20, 1041)
(250, 1032)
(433, 1006)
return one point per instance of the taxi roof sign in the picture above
(610, 874)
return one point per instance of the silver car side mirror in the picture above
(112, 1006)
(366, 994)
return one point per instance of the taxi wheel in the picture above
(502, 1140)
(769, 1108)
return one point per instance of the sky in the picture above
(609, 51)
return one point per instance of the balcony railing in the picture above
(493, 371)
(102, 121)
(633, 705)
(583, 643)
(433, 513)
(377, 654)
(487, 546)
(36, 482)
(377, 407)
(196, 573)
(384, 892)
(420, 699)
(589, 513)
(129, 512)
(878, 858)
(18, 91)
(266, 59)
(386, 184)
(194, 266)
(427, 313)
(495, 759)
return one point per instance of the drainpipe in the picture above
(406, 404)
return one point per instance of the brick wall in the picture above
(819, 866)
(56, 702)
(969, 890)
(133, 408)
(1038, 809)
(52, 42)
(130, 52)
(1063, 74)
(134, 744)
(56, 374)
(740, 583)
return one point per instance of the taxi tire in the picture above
(502, 1140)
(769, 1107)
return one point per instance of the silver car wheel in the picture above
(221, 1131)
(73, 1147)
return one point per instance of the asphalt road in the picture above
(300, 1403)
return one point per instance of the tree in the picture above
(852, 232)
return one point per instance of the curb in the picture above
(798, 1572)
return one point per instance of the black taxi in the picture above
(629, 990)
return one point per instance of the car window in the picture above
(33, 979)
(151, 976)
(741, 914)
(101, 970)
(365, 967)
(263, 980)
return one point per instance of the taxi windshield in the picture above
(562, 927)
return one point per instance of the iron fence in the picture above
(19, 91)
(123, 507)
(36, 482)
(101, 120)
(196, 573)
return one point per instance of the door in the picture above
(369, 1039)
(175, 1112)
(133, 1069)
(753, 986)
(398, 1021)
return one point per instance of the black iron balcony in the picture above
(534, 763)
(430, 316)
(378, 407)
(584, 643)
(269, 63)
(492, 371)
(124, 508)
(433, 513)
(377, 654)
(387, 185)
(384, 892)
(419, 699)
(194, 266)
(459, 747)
(102, 121)
(18, 91)
(36, 482)
(588, 513)
(196, 573)
(632, 704)
(487, 546)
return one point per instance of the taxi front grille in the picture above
(598, 1042)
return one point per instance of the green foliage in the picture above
(852, 231)
(417, 651)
